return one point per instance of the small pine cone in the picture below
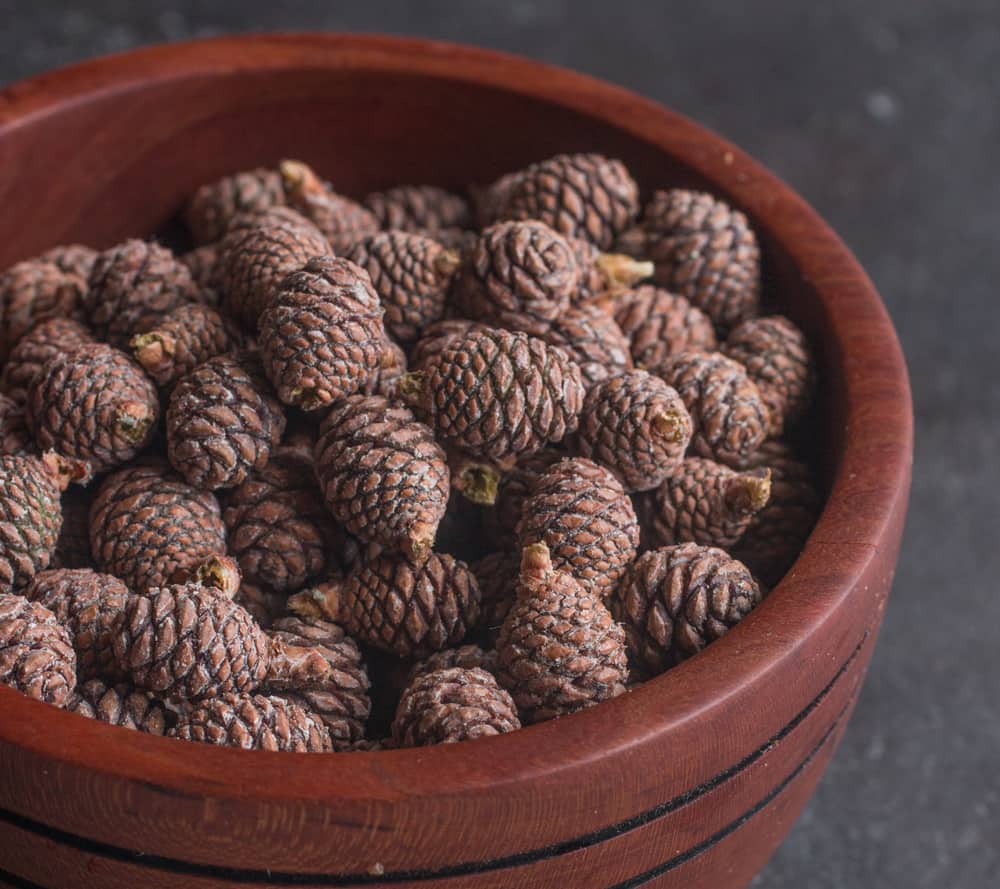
(188, 336)
(636, 426)
(676, 600)
(559, 649)
(382, 474)
(73, 259)
(705, 251)
(214, 206)
(94, 404)
(580, 511)
(466, 657)
(593, 339)
(146, 523)
(451, 705)
(203, 263)
(33, 291)
(87, 604)
(514, 488)
(262, 604)
(496, 574)
(132, 286)
(604, 272)
(778, 361)
(520, 275)
(187, 641)
(36, 655)
(254, 722)
(659, 324)
(730, 418)
(580, 195)
(343, 222)
(385, 379)
(704, 502)
(415, 208)
(15, 438)
(45, 340)
(439, 336)
(122, 705)
(497, 395)
(221, 422)
(322, 336)
(411, 275)
(73, 546)
(256, 256)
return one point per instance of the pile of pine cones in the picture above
(400, 472)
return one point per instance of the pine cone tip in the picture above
(418, 542)
(536, 560)
(671, 426)
(447, 262)
(64, 470)
(217, 572)
(320, 601)
(410, 387)
(133, 419)
(749, 492)
(478, 482)
(622, 271)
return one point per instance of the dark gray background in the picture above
(885, 114)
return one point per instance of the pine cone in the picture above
(778, 361)
(580, 195)
(36, 656)
(466, 657)
(256, 256)
(559, 649)
(146, 523)
(676, 600)
(86, 603)
(94, 404)
(411, 275)
(33, 291)
(214, 206)
(382, 474)
(729, 416)
(190, 335)
(439, 336)
(514, 488)
(497, 395)
(581, 513)
(636, 426)
(254, 722)
(187, 641)
(73, 259)
(45, 340)
(121, 705)
(417, 208)
(15, 438)
(704, 502)
(322, 336)
(593, 340)
(456, 704)
(496, 574)
(203, 264)
(132, 286)
(519, 275)
(705, 251)
(73, 546)
(604, 273)
(344, 222)
(659, 324)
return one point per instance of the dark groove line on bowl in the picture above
(16, 882)
(246, 875)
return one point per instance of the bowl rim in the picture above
(859, 323)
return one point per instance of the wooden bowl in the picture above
(690, 780)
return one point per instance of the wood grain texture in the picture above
(691, 779)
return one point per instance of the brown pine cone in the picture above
(466, 657)
(778, 361)
(519, 275)
(411, 275)
(592, 338)
(214, 206)
(15, 438)
(437, 337)
(451, 705)
(132, 286)
(496, 574)
(256, 256)
(188, 336)
(254, 722)
(121, 705)
(604, 272)
(580, 195)
(343, 222)
(497, 395)
(705, 251)
(203, 263)
(730, 418)
(580, 511)
(322, 336)
(187, 641)
(659, 324)
(86, 603)
(36, 656)
(419, 208)
(73, 259)
(94, 404)
(514, 488)
(33, 291)
(382, 474)
(636, 426)
(73, 546)
(45, 340)
(146, 523)
(704, 502)
(559, 649)
(676, 600)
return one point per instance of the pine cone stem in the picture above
(622, 271)
(477, 482)
(447, 262)
(748, 492)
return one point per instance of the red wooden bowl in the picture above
(690, 780)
